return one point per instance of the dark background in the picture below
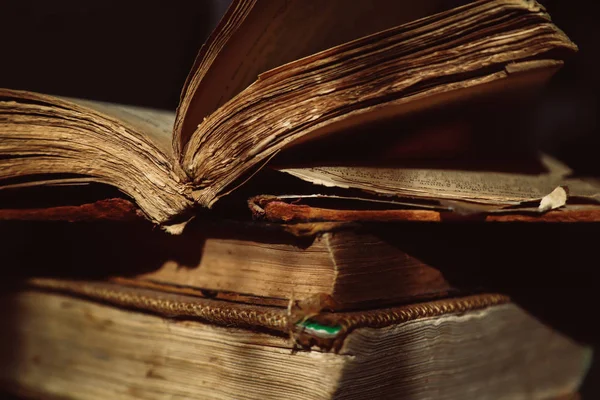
(134, 51)
(140, 52)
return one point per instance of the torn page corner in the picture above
(557, 198)
(176, 229)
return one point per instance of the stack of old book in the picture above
(312, 192)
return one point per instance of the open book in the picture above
(277, 78)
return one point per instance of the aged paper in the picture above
(155, 124)
(481, 187)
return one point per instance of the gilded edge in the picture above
(274, 319)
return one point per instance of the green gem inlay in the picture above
(319, 329)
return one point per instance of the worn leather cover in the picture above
(274, 210)
(115, 209)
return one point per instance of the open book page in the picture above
(476, 186)
(47, 139)
(155, 124)
(407, 69)
(256, 36)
